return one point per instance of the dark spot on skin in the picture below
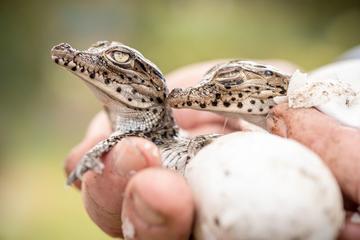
(133, 91)
(129, 99)
(230, 93)
(196, 101)
(270, 107)
(164, 95)
(269, 97)
(214, 103)
(252, 101)
(151, 99)
(118, 89)
(159, 100)
(121, 76)
(240, 95)
(247, 91)
(142, 80)
(107, 81)
(183, 104)
(176, 106)
(239, 105)
(262, 101)
(56, 60)
(66, 63)
(239, 81)
(130, 131)
(217, 221)
(154, 111)
(249, 110)
(260, 109)
(142, 100)
(153, 139)
(142, 66)
(189, 103)
(105, 73)
(257, 88)
(82, 69)
(233, 99)
(268, 73)
(217, 95)
(188, 158)
(129, 78)
(282, 92)
(92, 75)
(227, 86)
(226, 104)
(74, 68)
(202, 105)
(157, 74)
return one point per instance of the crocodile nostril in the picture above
(62, 47)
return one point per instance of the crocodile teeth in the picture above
(61, 61)
(72, 64)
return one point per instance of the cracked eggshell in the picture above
(253, 185)
(334, 89)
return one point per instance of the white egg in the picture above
(254, 185)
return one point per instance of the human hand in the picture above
(133, 188)
(337, 145)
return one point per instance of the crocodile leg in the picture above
(92, 161)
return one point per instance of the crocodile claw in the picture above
(86, 164)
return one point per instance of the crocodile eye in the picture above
(268, 73)
(119, 57)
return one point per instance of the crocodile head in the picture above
(235, 87)
(130, 86)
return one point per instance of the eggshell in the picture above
(254, 185)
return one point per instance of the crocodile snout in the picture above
(62, 49)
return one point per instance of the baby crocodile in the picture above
(235, 88)
(133, 92)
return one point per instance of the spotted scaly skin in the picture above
(133, 91)
(235, 88)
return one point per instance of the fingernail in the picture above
(151, 149)
(127, 158)
(145, 212)
(128, 229)
(355, 218)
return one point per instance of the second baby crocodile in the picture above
(235, 88)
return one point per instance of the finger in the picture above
(158, 205)
(350, 230)
(189, 119)
(333, 142)
(98, 130)
(103, 193)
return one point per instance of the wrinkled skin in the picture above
(158, 202)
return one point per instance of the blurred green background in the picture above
(45, 110)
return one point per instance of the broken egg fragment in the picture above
(253, 185)
(333, 89)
